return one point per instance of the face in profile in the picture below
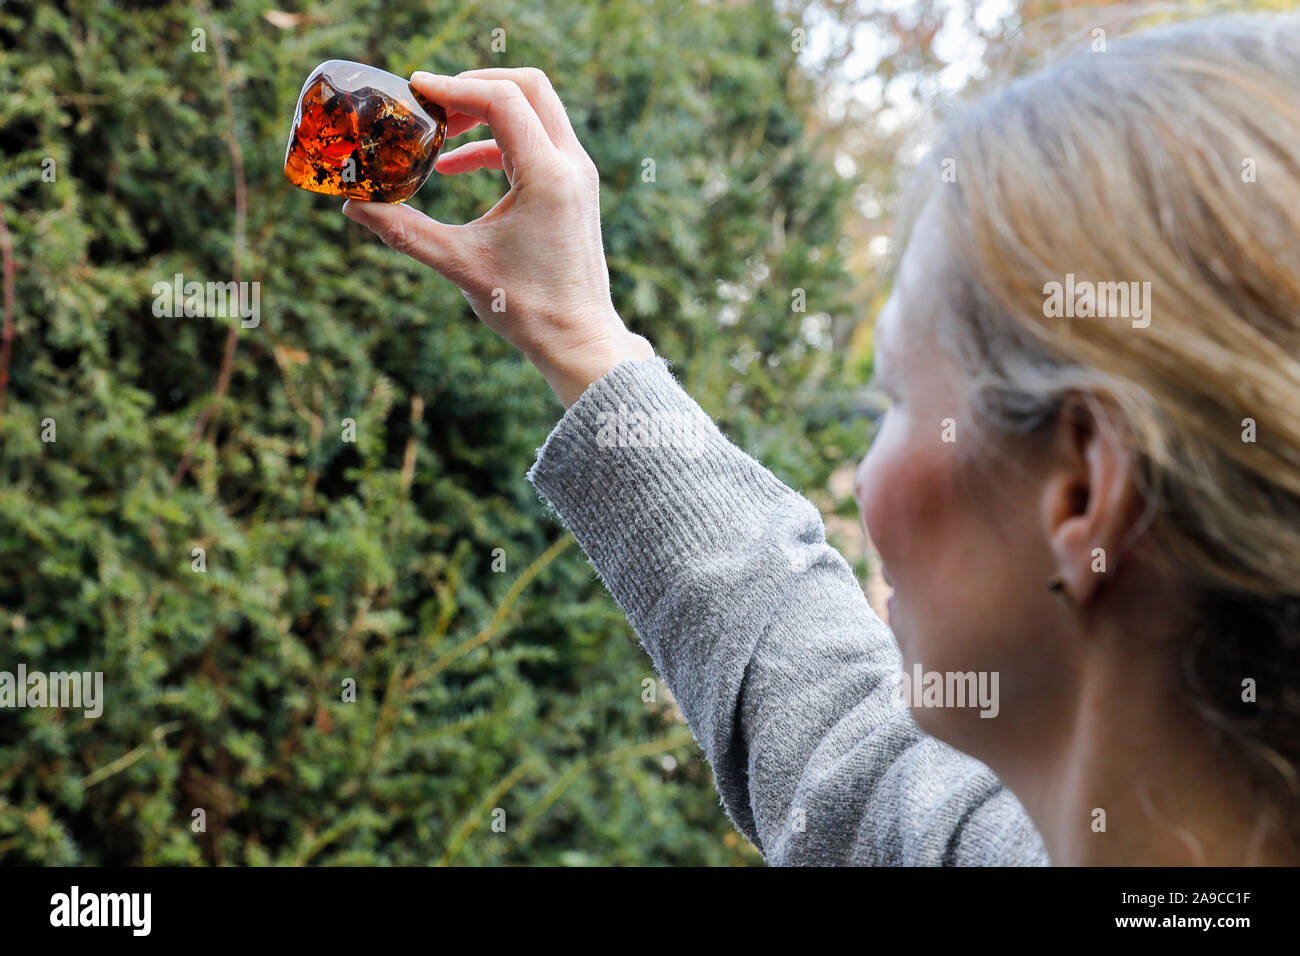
(957, 522)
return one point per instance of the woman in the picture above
(1086, 492)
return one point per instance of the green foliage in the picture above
(477, 688)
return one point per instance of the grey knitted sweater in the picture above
(761, 631)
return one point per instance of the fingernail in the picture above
(420, 76)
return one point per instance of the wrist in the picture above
(572, 373)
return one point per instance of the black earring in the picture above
(1056, 585)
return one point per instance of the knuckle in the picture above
(463, 260)
(535, 76)
(401, 239)
(571, 183)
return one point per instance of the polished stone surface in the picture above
(363, 133)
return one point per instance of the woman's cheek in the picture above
(905, 497)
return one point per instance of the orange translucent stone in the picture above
(363, 133)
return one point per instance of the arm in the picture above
(761, 631)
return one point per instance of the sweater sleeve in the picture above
(760, 629)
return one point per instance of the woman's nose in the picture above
(859, 482)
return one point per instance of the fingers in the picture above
(500, 104)
(482, 154)
(446, 248)
(541, 94)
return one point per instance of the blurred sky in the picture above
(957, 44)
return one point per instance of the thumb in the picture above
(438, 245)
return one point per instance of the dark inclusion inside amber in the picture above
(363, 133)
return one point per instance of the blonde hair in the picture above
(1171, 158)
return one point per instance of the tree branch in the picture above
(241, 235)
(7, 334)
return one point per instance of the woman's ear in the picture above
(1089, 503)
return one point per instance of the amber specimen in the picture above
(363, 133)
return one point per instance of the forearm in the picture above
(676, 520)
